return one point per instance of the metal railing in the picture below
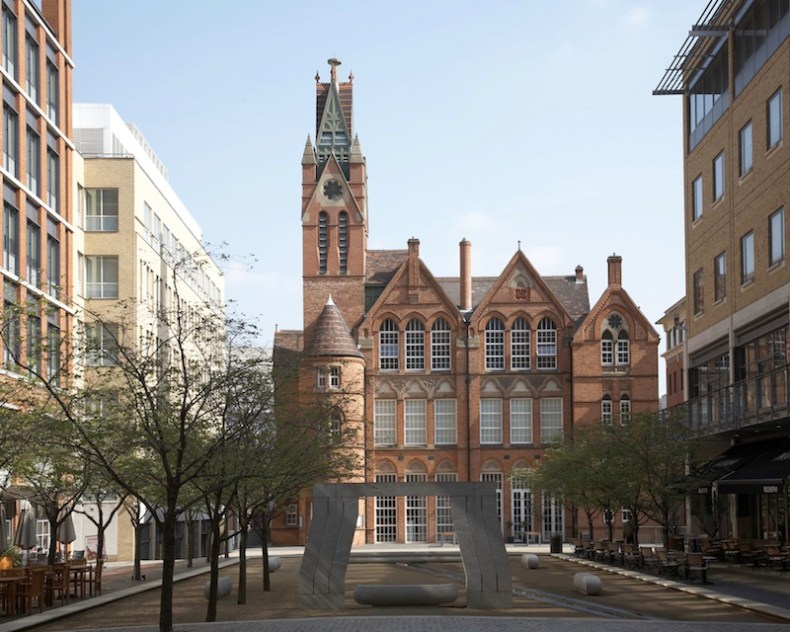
(750, 402)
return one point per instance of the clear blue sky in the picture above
(499, 121)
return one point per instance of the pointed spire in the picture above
(331, 336)
(356, 151)
(308, 157)
(333, 63)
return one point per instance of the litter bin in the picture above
(555, 543)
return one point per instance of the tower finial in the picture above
(334, 63)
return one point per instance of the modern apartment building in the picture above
(466, 378)
(39, 230)
(139, 249)
(733, 75)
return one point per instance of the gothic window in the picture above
(342, 241)
(615, 343)
(415, 346)
(606, 409)
(495, 344)
(623, 349)
(388, 346)
(547, 344)
(607, 348)
(323, 241)
(625, 409)
(519, 345)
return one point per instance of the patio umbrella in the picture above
(25, 534)
(66, 533)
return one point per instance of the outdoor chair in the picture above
(93, 578)
(32, 589)
(666, 565)
(696, 566)
(58, 584)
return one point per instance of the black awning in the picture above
(765, 473)
(726, 463)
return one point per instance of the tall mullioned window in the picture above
(342, 241)
(323, 241)
(547, 344)
(495, 344)
(415, 346)
(520, 345)
(389, 343)
(440, 346)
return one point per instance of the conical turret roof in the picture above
(331, 336)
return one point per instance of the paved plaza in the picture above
(543, 598)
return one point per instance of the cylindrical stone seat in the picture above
(529, 560)
(405, 594)
(587, 584)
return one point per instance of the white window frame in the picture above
(101, 211)
(623, 349)
(606, 409)
(520, 345)
(551, 420)
(521, 420)
(607, 348)
(102, 341)
(445, 422)
(98, 276)
(385, 426)
(547, 344)
(389, 345)
(415, 345)
(625, 409)
(495, 345)
(440, 346)
(415, 422)
(490, 421)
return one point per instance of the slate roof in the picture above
(381, 265)
(330, 335)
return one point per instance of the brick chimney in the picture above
(579, 275)
(615, 272)
(466, 275)
(413, 270)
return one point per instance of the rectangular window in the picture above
(415, 347)
(101, 277)
(53, 93)
(320, 378)
(606, 410)
(776, 237)
(334, 377)
(11, 239)
(11, 328)
(718, 177)
(33, 161)
(521, 420)
(415, 422)
(384, 422)
(551, 420)
(32, 72)
(490, 421)
(520, 346)
(53, 266)
(9, 42)
(625, 410)
(101, 341)
(607, 351)
(696, 198)
(745, 138)
(388, 347)
(53, 180)
(53, 352)
(699, 291)
(747, 257)
(10, 139)
(774, 126)
(33, 337)
(720, 277)
(292, 516)
(444, 422)
(101, 210)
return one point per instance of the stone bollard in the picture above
(275, 563)
(224, 586)
(587, 584)
(529, 560)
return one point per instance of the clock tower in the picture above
(334, 206)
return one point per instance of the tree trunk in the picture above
(168, 566)
(267, 582)
(138, 530)
(188, 527)
(242, 598)
(211, 610)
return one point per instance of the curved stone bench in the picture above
(529, 560)
(405, 594)
(224, 586)
(275, 563)
(587, 584)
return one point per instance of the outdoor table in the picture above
(8, 584)
(80, 575)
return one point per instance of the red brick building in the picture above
(465, 378)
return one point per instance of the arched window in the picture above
(519, 345)
(607, 349)
(323, 241)
(495, 345)
(415, 346)
(606, 409)
(388, 345)
(547, 344)
(440, 345)
(625, 409)
(342, 241)
(623, 349)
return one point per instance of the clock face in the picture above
(333, 190)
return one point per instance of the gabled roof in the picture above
(330, 335)
(381, 265)
(614, 295)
